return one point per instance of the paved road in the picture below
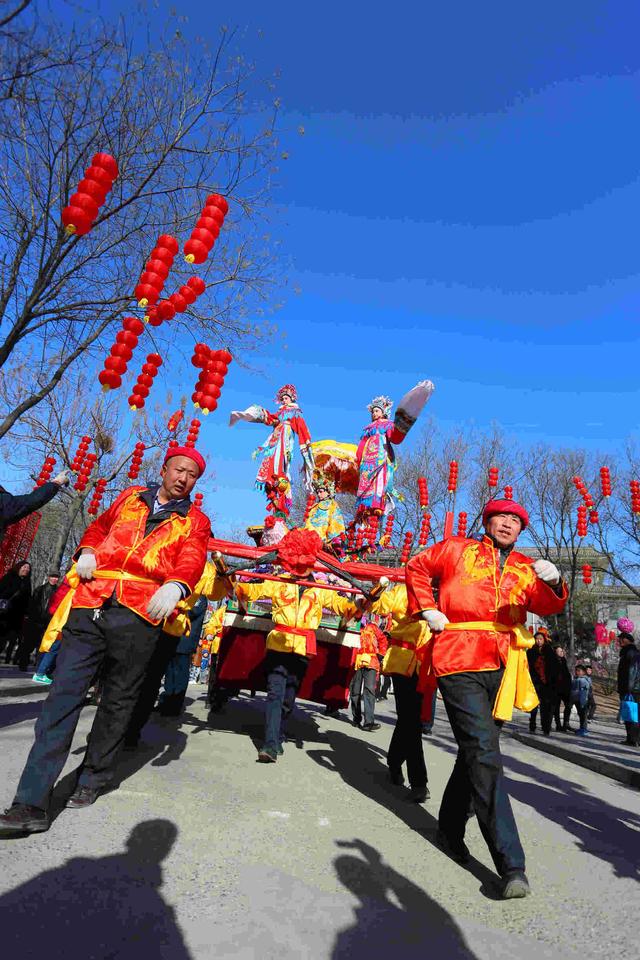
(203, 853)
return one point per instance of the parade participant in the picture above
(13, 508)
(297, 612)
(485, 589)
(407, 640)
(37, 619)
(375, 455)
(543, 668)
(362, 690)
(276, 453)
(134, 563)
(325, 516)
(629, 677)
(213, 634)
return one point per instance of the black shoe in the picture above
(419, 795)
(515, 886)
(82, 797)
(369, 727)
(458, 851)
(267, 755)
(23, 818)
(396, 778)
(532, 731)
(357, 723)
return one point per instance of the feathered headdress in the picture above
(385, 404)
(289, 390)
(321, 481)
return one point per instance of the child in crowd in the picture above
(580, 695)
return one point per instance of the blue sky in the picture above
(462, 206)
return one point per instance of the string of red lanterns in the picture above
(98, 493)
(177, 302)
(136, 461)
(85, 472)
(508, 493)
(406, 547)
(192, 436)
(462, 522)
(47, 469)
(80, 454)
(423, 492)
(214, 365)
(453, 476)
(425, 527)
(156, 270)
(494, 473)
(145, 381)
(605, 481)
(82, 210)
(197, 500)
(586, 573)
(372, 529)
(307, 509)
(582, 520)
(634, 486)
(207, 228)
(115, 366)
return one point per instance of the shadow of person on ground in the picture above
(394, 916)
(363, 767)
(11, 713)
(246, 717)
(104, 907)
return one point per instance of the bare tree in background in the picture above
(178, 119)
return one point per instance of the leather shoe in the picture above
(82, 797)
(515, 886)
(419, 795)
(23, 818)
(370, 726)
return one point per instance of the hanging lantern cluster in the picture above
(423, 493)
(98, 493)
(494, 473)
(156, 270)
(453, 476)
(605, 481)
(359, 543)
(174, 420)
(214, 365)
(177, 302)
(205, 233)
(192, 436)
(307, 509)
(586, 573)
(351, 538)
(425, 527)
(80, 454)
(372, 529)
(85, 472)
(462, 523)
(115, 366)
(406, 547)
(385, 539)
(581, 487)
(582, 520)
(136, 461)
(634, 486)
(508, 493)
(593, 517)
(197, 500)
(81, 213)
(47, 469)
(145, 380)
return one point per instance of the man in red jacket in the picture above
(146, 552)
(485, 589)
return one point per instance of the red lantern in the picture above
(453, 476)
(508, 493)
(582, 521)
(136, 402)
(605, 481)
(423, 492)
(133, 324)
(586, 573)
(462, 523)
(151, 282)
(593, 517)
(493, 476)
(121, 350)
(80, 214)
(109, 379)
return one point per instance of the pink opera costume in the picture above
(276, 453)
(375, 456)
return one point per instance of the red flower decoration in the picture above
(269, 522)
(298, 551)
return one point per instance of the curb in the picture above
(608, 768)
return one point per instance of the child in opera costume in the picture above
(325, 516)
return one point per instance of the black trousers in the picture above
(477, 774)
(121, 643)
(8, 639)
(566, 712)
(406, 742)
(362, 694)
(547, 697)
(633, 729)
(156, 669)
(285, 672)
(30, 641)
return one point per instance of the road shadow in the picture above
(394, 917)
(246, 717)
(11, 713)
(362, 766)
(102, 907)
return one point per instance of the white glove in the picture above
(547, 571)
(86, 564)
(164, 600)
(436, 621)
(62, 479)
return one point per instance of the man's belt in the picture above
(309, 635)
(516, 688)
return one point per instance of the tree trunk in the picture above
(65, 533)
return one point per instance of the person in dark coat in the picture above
(629, 680)
(563, 691)
(37, 619)
(15, 594)
(13, 508)
(543, 667)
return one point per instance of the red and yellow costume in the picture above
(487, 609)
(297, 615)
(211, 585)
(407, 637)
(134, 565)
(213, 629)
(373, 645)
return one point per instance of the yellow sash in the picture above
(61, 615)
(516, 689)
